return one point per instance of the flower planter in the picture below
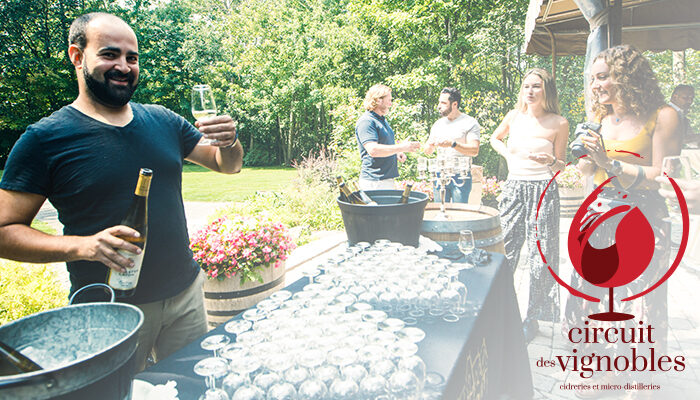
(225, 299)
(570, 200)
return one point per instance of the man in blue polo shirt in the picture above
(375, 139)
(85, 159)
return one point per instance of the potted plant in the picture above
(491, 189)
(570, 182)
(243, 258)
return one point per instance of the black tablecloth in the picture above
(482, 357)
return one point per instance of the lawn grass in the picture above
(201, 184)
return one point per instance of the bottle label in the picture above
(129, 279)
(142, 186)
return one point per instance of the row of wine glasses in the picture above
(350, 333)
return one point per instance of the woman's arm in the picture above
(500, 133)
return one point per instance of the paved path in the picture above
(684, 319)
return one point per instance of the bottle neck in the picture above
(143, 186)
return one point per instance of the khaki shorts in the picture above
(172, 323)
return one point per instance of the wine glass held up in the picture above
(203, 106)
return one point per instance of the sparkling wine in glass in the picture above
(203, 106)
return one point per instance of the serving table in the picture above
(482, 356)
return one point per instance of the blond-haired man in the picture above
(375, 139)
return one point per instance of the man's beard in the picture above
(446, 112)
(108, 94)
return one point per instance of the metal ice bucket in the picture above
(86, 351)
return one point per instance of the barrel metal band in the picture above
(243, 293)
(227, 313)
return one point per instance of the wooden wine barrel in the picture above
(570, 200)
(483, 221)
(225, 299)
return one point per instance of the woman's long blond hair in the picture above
(551, 98)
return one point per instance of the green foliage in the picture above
(27, 289)
(258, 156)
(293, 73)
(309, 204)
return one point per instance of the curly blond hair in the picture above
(373, 95)
(637, 88)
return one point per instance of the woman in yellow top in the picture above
(637, 131)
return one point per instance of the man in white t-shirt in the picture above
(454, 135)
(681, 100)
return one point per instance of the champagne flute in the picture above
(203, 106)
(466, 246)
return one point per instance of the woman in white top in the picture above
(537, 137)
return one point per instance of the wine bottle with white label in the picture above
(124, 283)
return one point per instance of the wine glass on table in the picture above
(212, 368)
(466, 246)
(203, 106)
(214, 343)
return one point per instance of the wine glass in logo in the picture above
(621, 262)
(627, 248)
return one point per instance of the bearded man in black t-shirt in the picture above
(85, 159)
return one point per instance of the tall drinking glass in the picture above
(203, 105)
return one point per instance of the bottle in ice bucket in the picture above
(349, 196)
(124, 283)
(12, 362)
(362, 195)
(343, 197)
(406, 194)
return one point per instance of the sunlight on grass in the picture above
(201, 184)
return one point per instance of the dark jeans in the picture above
(453, 193)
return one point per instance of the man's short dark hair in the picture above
(454, 94)
(76, 34)
(683, 87)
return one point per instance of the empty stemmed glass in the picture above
(282, 391)
(403, 384)
(311, 273)
(212, 368)
(312, 389)
(214, 343)
(237, 326)
(373, 386)
(244, 366)
(457, 304)
(466, 246)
